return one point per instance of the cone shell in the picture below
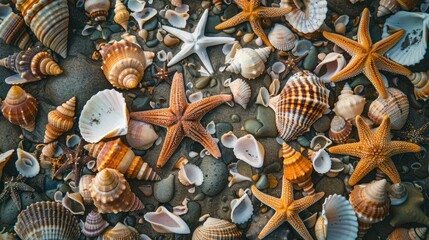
(122, 16)
(219, 229)
(164, 221)
(349, 105)
(94, 224)
(97, 9)
(47, 220)
(387, 7)
(60, 120)
(420, 80)
(241, 92)
(307, 18)
(84, 183)
(141, 135)
(302, 101)
(408, 234)
(20, 108)
(340, 130)
(282, 38)
(250, 63)
(49, 21)
(14, 31)
(395, 105)
(117, 155)
(121, 232)
(112, 194)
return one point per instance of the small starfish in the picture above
(196, 42)
(56, 162)
(291, 64)
(254, 13)
(367, 57)
(286, 209)
(415, 135)
(182, 119)
(374, 150)
(12, 187)
(162, 74)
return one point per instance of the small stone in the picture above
(262, 182)
(235, 118)
(152, 43)
(310, 61)
(212, 21)
(258, 222)
(141, 104)
(114, 218)
(202, 82)
(303, 141)
(265, 123)
(215, 176)
(193, 214)
(152, 24)
(130, 221)
(330, 186)
(163, 191)
(255, 177)
(225, 208)
(230, 11)
(213, 83)
(273, 168)
(272, 180)
(147, 190)
(322, 124)
(222, 128)
(199, 197)
(248, 37)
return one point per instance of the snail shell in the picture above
(94, 224)
(387, 7)
(349, 105)
(60, 120)
(250, 63)
(97, 9)
(340, 129)
(122, 16)
(14, 31)
(420, 80)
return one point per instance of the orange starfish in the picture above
(367, 57)
(182, 119)
(253, 13)
(286, 209)
(374, 150)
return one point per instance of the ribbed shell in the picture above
(340, 129)
(141, 135)
(14, 31)
(60, 120)
(47, 220)
(84, 183)
(241, 92)
(282, 38)
(302, 101)
(307, 18)
(121, 232)
(297, 168)
(94, 224)
(122, 16)
(49, 21)
(420, 80)
(408, 234)
(97, 9)
(250, 63)
(216, 229)
(20, 108)
(349, 105)
(117, 155)
(387, 7)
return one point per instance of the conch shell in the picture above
(60, 120)
(420, 80)
(122, 16)
(214, 228)
(14, 31)
(97, 9)
(94, 224)
(349, 105)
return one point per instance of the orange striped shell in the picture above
(297, 168)
(20, 108)
(60, 120)
(14, 31)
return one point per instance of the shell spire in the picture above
(20, 108)
(122, 16)
(420, 80)
(60, 120)
(97, 9)
(14, 31)
(94, 224)
(263, 53)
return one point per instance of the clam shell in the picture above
(241, 91)
(14, 31)
(331, 65)
(308, 17)
(219, 229)
(321, 161)
(144, 15)
(340, 130)
(84, 183)
(408, 234)
(250, 63)
(229, 140)
(105, 115)
(122, 16)
(241, 209)
(190, 174)
(248, 149)
(163, 221)
(141, 135)
(60, 120)
(27, 164)
(349, 105)
(121, 232)
(136, 5)
(97, 9)
(4, 158)
(74, 203)
(387, 7)
(282, 38)
(421, 85)
(94, 224)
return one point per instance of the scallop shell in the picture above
(4, 158)
(115, 154)
(340, 130)
(321, 161)
(408, 234)
(121, 232)
(105, 115)
(124, 63)
(74, 203)
(331, 65)
(190, 174)
(349, 105)
(282, 38)
(141, 135)
(241, 209)
(387, 7)
(143, 16)
(164, 221)
(60, 120)
(122, 16)
(84, 183)
(97, 9)
(395, 105)
(20, 108)
(14, 31)
(240, 90)
(421, 85)
(398, 194)
(27, 164)
(94, 224)
(308, 16)
(49, 21)
(250, 63)
(302, 101)
(47, 220)
(219, 229)
(248, 149)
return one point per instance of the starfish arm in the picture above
(275, 221)
(373, 75)
(269, 12)
(388, 167)
(213, 41)
(390, 66)
(364, 166)
(195, 131)
(385, 44)
(241, 3)
(178, 100)
(296, 222)
(66, 166)
(204, 57)
(353, 68)
(173, 138)
(305, 202)
(186, 50)
(253, 4)
(383, 131)
(160, 117)
(259, 31)
(348, 45)
(196, 110)
(23, 187)
(398, 147)
(201, 26)
(182, 35)
(4, 195)
(363, 35)
(352, 149)
(268, 200)
(16, 199)
(77, 169)
(237, 19)
(287, 191)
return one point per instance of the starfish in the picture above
(291, 64)
(182, 119)
(57, 163)
(162, 74)
(367, 57)
(415, 135)
(254, 13)
(12, 187)
(374, 150)
(196, 42)
(286, 209)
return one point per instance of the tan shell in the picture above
(60, 120)
(408, 234)
(121, 232)
(249, 62)
(14, 31)
(20, 108)
(74, 203)
(84, 184)
(420, 80)
(141, 135)
(349, 105)
(387, 7)
(47, 220)
(97, 9)
(218, 4)
(7, 236)
(176, 3)
(241, 92)
(94, 224)
(282, 38)
(4, 158)
(340, 129)
(407, 4)
(219, 229)
(122, 16)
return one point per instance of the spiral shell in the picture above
(20, 108)
(112, 194)
(122, 16)
(282, 38)
(31, 65)
(395, 105)
(349, 105)
(47, 220)
(241, 91)
(387, 7)
(302, 101)
(250, 63)
(218, 4)
(117, 155)
(49, 21)
(306, 16)
(340, 129)
(408, 234)
(60, 120)
(14, 31)
(420, 80)
(121, 232)
(219, 229)
(94, 224)
(74, 203)
(97, 9)
(84, 183)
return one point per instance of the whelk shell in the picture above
(282, 38)
(190, 174)
(4, 158)
(240, 90)
(214, 228)
(97, 9)
(60, 120)
(122, 16)
(14, 31)
(141, 135)
(331, 65)
(340, 129)
(27, 164)
(248, 149)
(241, 208)
(349, 105)
(408, 234)
(306, 16)
(420, 80)
(94, 224)
(121, 232)
(164, 221)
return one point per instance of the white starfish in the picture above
(196, 42)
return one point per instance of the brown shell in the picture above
(14, 31)
(340, 130)
(115, 154)
(47, 220)
(60, 120)
(407, 4)
(122, 16)
(121, 232)
(20, 108)
(97, 9)
(94, 224)
(408, 234)
(218, 229)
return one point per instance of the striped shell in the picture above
(84, 183)
(349, 105)
(302, 101)
(387, 7)
(97, 9)
(121, 232)
(141, 135)
(241, 92)
(420, 80)
(218, 229)
(408, 234)
(60, 120)
(282, 38)
(297, 168)
(122, 16)
(306, 16)
(49, 21)
(47, 220)
(94, 224)
(14, 31)
(340, 129)
(20, 108)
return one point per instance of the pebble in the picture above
(193, 214)
(114, 218)
(202, 82)
(141, 104)
(152, 43)
(8, 210)
(151, 25)
(213, 82)
(264, 125)
(215, 176)
(235, 118)
(130, 221)
(310, 61)
(248, 37)
(330, 186)
(212, 21)
(263, 182)
(199, 197)
(150, 207)
(225, 208)
(273, 168)
(10, 134)
(322, 124)
(163, 191)
(303, 141)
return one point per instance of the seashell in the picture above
(177, 3)
(349, 105)
(229, 140)
(250, 63)
(7, 235)
(190, 174)
(337, 166)
(141, 135)
(297, 168)
(337, 221)
(219, 229)
(4, 158)
(421, 86)
(341, 23)
(408, 234)
(306, 16)
(97, 9)
(241, 209)
(321, 161)
(122, 16)
(282, 38)
(121, 232)
(163, 221)
(60, 120)
(116, 155)
(276, 69)
(136, 5)
(302, 101)
(240, 90)
(340, 130)
(20, 108)
(144, 15)
(274, 87)
(176, 19)
(263, 97)
(320, 142)
(395, 105)
(195, 97)
(387, 7)
(14, 31)
(74, 203)
(47, 220)
(49, 21)
(94, 224)
(211, 128)
(27, 164)
(398, 194)
(30, 65)
(236, 176)
(331, 65)
(407, 4)
(302, 47)
(104, 115)
(124, 63)
(112, 194)
(84, 183)
(411, 49)
(248, 149)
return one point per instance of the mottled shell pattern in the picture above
(420, 80)
(94, 224)
(20, 108)
(250, 63)
(122, 16)
(60, 120)
(121, 232)
(214, 228)
(349, 105)
(408, 234)
(97, 9)
(47, 220)
(14, 31)
(340, 129)
(302, 101)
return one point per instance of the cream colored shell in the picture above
(349, 105)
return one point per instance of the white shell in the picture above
(141, 135)
(320, 141)
(236, 177)
(331, 65)
(176, 19)
(321, 161)
(341, 23)
(229, 140)
(190, 174)
(211, 128)
(349, 105)
(105, 115)
(250, 63)
(302, 47)
(72, 140)
(263, 97)
(136, 5)
(26, 164)
(74, 203)
(240, 90)
(248, 149)
(308, 17)
(274, 87)
(282, 38)
(143, 16)
(195, 97)
(164, 221)
(241, 209)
